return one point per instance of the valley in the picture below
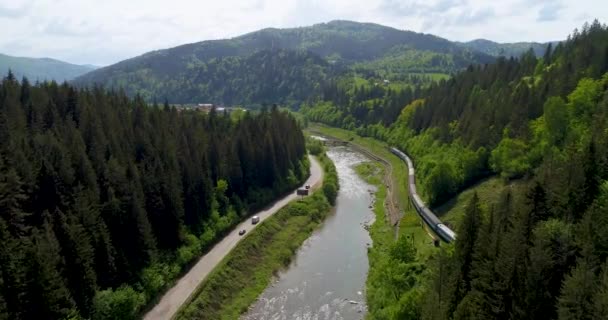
(307, 170)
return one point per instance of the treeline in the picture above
(351, 106)
(104, 199)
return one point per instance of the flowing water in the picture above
(327, 277)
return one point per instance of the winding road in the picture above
(182, 291)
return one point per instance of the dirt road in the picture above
(173, 299)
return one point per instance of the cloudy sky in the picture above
(103, 32)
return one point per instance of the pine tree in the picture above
(79, 257)
(468, 235)
(11, 197)
(551, 258)
(600, 307)
(576, 299)
(537, 201)
(48, 294)
(3, 308)
(547, 55)
(89, 216)
(13, 277)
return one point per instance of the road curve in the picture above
(173, 299)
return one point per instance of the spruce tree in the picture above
(48, 294)
(468, 235)
(600, 299)
(576, 299)
(79, 259)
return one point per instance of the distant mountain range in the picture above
(42, 68)
(283, 65)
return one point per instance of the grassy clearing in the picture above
(248, 269)
(371, 172)
(488, 191)
(381, 233)
(434, 76)
(385, 271)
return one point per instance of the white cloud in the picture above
(104, 32)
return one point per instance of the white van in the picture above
(255, 219)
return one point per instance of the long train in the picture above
(443, 231)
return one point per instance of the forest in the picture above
(105, 199)
(540, 251)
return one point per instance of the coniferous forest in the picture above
(540, 251)
(104, 199)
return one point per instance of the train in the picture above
(444, 232)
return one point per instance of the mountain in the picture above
(223, 71)
(42, 68)
(506, 49)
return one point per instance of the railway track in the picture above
(429, 219)
(444, 232)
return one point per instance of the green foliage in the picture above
(440, 179)
(330, 180)
(583, 100)
(122, 303)
(403, 250)
(510, 158)
(601, 296)
(441, 168)
(315, 146)
(576, 301)
(556, 119)
(393, 290)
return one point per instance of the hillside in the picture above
(42, 68)
(537, 250)
(515, 49)
(252, 65)
(267, 76)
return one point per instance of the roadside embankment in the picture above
(249, 268)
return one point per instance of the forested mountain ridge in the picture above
(104, 199)
(540, 250)
(42, 68)
(514, 49)
(349, 41)
(263, 77)
(186, 73)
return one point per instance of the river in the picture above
(326, 279)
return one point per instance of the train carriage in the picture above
(443, 231)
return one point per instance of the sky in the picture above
(103, 32)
